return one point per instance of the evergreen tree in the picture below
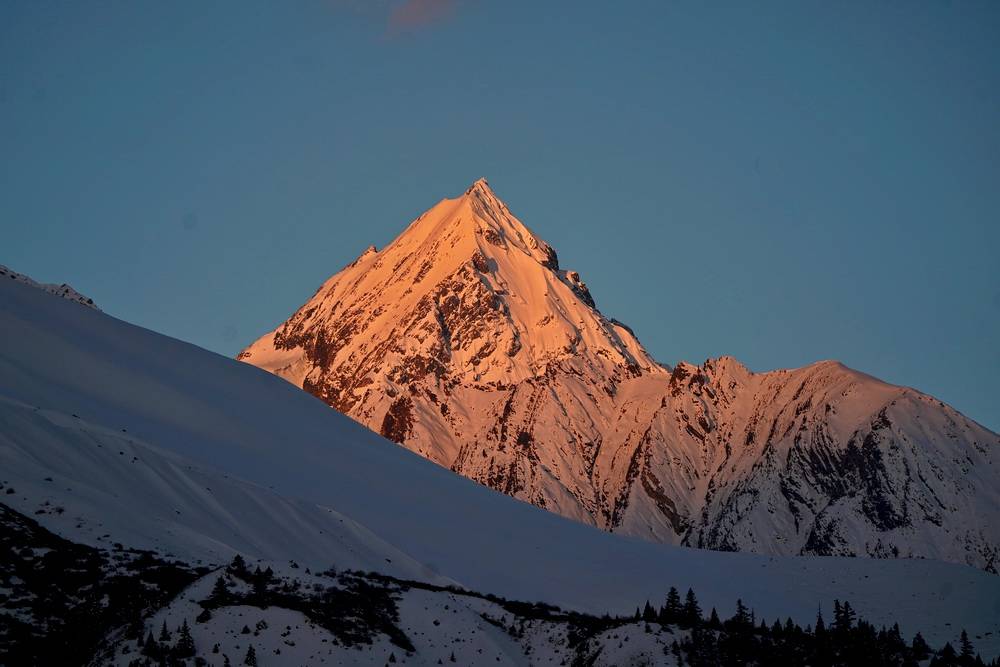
(692, 611)
(219, 589)
(251, 657)
(672, 609)
(713, 620)
(742, 619)
(965, 650)
(259, 584)
(849, 615)
(185, 642)
(648, 613)
(150, 646)
(843, 617)
(238, 566)
(920, 648)
(820, 625)
(164, 633)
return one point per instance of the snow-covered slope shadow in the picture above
(223, 414)
(98, 486)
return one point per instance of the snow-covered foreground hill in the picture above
(72, 379)
(464, 341)
(99, 485)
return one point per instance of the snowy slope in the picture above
(63, 290)
(220, 414)
(464, 341)
(443, 626)
(97, 485)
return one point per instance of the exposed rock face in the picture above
(62, 290)
(464, 341)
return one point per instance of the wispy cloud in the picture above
(411, 15)
(399, 17)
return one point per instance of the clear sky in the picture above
(782, 182)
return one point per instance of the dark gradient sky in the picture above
(784, 183)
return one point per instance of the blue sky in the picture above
(783, 183)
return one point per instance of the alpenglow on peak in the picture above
(466, 342)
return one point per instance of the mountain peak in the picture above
(466, 296)
(480, 185)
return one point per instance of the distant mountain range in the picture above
(465, 341)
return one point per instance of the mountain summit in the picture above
(466, 342)
(465, 303)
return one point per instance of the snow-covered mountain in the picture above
(62, 290)
(466, 342)
(110, 433)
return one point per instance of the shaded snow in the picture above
(219, 414)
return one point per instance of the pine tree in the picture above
(849, 615)
(185, 642)
(820, 625)
(259, 583)
(742, 618)
(648, 613)
(713, 620)
(965, 649)
(452, 658)
(672, 609)
(219, 589)
(149, 647)
(691, 611)
(164, 633)
(238, 566)
(675, 648)
(251, 657)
